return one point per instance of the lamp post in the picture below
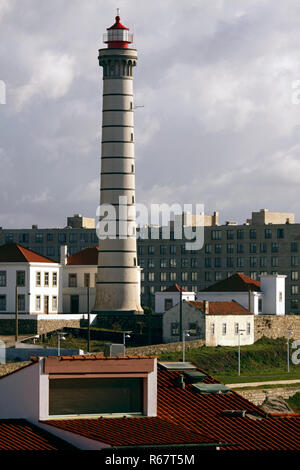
(60, 336)
(88, 311)
(126, 334)
(290, 332)
(185, 333)
(17, 316)
(239, 332)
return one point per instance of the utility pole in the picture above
(180, 313)
(239, 351)
(88, 311)
(17, 316)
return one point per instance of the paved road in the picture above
(258, 384)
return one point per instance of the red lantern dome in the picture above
(118, 36)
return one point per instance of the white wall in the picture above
(190, 314)
(230, 338)
(160, 298)
(273, 287)
(80, 290)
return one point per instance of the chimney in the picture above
(63, 255)
(180, 381)
(206, 306)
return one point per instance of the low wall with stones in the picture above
(258, 396)
(157, 349)
(276, 326)
(34, 327)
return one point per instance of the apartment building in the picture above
(268, 243)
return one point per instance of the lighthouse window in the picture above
(131, 136)
(132, 168)
(134, 261)
(131, 105)
(132, 199)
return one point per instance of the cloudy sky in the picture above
(220, 123)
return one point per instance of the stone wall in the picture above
(258, 396)
(34, 326)
(157, 349)
(276, 326)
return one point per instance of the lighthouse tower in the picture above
(118, 277)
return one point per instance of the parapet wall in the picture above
(276, 326)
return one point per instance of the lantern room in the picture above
(118, 36)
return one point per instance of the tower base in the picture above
(118, 312)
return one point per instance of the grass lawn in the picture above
(294, 403)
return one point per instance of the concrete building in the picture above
(266, 297)
(29, 280)
(118, 273)
(217, 323)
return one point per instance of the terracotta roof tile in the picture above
(88, 256)
(238, 282)
(222, 308)
(15, 253)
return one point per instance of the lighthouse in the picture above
(118, 276)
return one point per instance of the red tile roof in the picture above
(222, 308)
(238, 282)
(139, 431)
(19, 434)
(88, 256)
(205, 413)
(15, 253)
(175, 288)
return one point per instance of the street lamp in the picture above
(29, 337)
(290, 332)
(60, 337)
(185, 334)
(126, 334)
(239, 332)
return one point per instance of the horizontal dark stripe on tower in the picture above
(117, 189)
(125, 158)
(117, 125)
(126, 110)
(117, 94)
(117, 173)
(117, 142)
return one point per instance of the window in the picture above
(39, 238)
(152, 290)
(73, 238)
(280, 233)
(9, 238)
(38, 302)
(62, 238)
(163, 249)
(252, 248)
(263, 262)
(294, 247)
(54, 302)
(218, 248)
(260, 305)
(274, 247)
(24, 238)
(184, 262)
(183, 250)
(252, 233)
(216, 235)
(274, 262)
(95, 396)
(163, 263)
(294, 260)
(253, 275)
(87, 280)
(224, 328)
(194, 276)
(193, 330)
(83, 237)
(212, 328)
(175, 329)
(281, 295)
(2, 278)
(142, 262)
(72, 280)
(150, 250)
(236, 328)
(229, 248)
(240, 234)
(54, 279)
(208, 248)
(294, 289)
(21, 302)
(294, 304)
(132, 166)
(248, 329)
(229, 262)
(142, 276)
(141, 250)
(184, 276)
(46, 279)
(50, 237)
(230, 234)
(20, 278)
(218, 276)
(172, 276)
(168, 304)
(172, 249)
(151, 263)
(253, 261)
(263, 247)
(2, 303)
(207, 262)
(268, 233)
(50, 251)
(240, 262)
(207, 276)
(294, 275)
(38, 279)
(150, 276)
(240, 248)
(193, 262)
(163, 277)
(218, 262)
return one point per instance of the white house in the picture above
(79, 272)
(32, 279)
(218, 323)
(266, 297)
(170, 297)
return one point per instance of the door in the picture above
(46, 304)
(74, 303)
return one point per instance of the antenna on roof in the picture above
(118, 11)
